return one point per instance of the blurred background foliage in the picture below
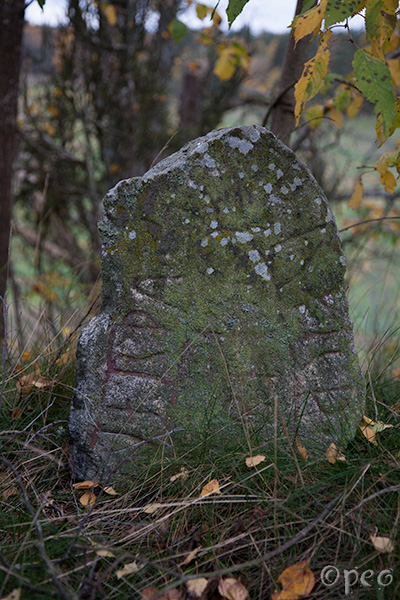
(123, 84)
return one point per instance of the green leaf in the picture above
(178, 30)
(41, 3)
(234, 9)
(307, 5)
(374, 82)
(339, 10)
(342, 99)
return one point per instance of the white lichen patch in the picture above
(306, 242)
(192, 184)
(323, 230)
(278, 248)
(302, 262)
(241, 175)
(277, 228)
(284, 189)
(209, 162)
(342, 261)
(271, 166)
(267, 232)
(224, 241)
(210, 270)
(243, 145)
(214, 224)
(262, 270)
(279, 173)
(243, 236)
(256, 229)
(214, 234)
(132, 234)
(291, 257)
(187, 221)
(317, 201)
(254, 255)
(204, 243)
(254, 168)
(226, 211)
(274, 199)
(268, 188)
(302, 309)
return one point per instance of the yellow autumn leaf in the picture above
(110, 13)
(151, 508)
(357, 195)
(196, 586)
(334, 454)
(387, 178)
(394, 68)
(49, 129)
(211, 487)
(232, 589)
(26, 383)
(128, 569)
(105, 553)
(202, 11)
(310, 22)
(53, 110)
(88, 499)
(314, 116)
(297, 581)
(14, 595)
(191, 556)
(226, 64)
(313, 75)
(381, 543)
(253, 461)
(110, 490)
(355, 105)
(183, 474)
(85, 485)
(336, 117)
(301, 449)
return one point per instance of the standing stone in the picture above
(223, 293)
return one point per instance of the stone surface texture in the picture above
(223, 296)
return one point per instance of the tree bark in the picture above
(11, 28)
(283, 121)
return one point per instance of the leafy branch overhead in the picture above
(375, 76)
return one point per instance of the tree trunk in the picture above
(11, 27)
(283, 121)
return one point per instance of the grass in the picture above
(284, 511)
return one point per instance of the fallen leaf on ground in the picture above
(150, 508)
(253, 461)
(88, 499)
(370, 428)
(191, 556)
(210, 487)
(381, 543)
(128, 569)
(9, 491)
(105, 553)
(297, 581)
(27, 382)
(14, 595)
(333, 454)
(232, 589)
(152, 593)
(85, 485)
(301, 449)
(196, 586)
(183, 474)
(110, 491)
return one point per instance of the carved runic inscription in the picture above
(223, 293)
